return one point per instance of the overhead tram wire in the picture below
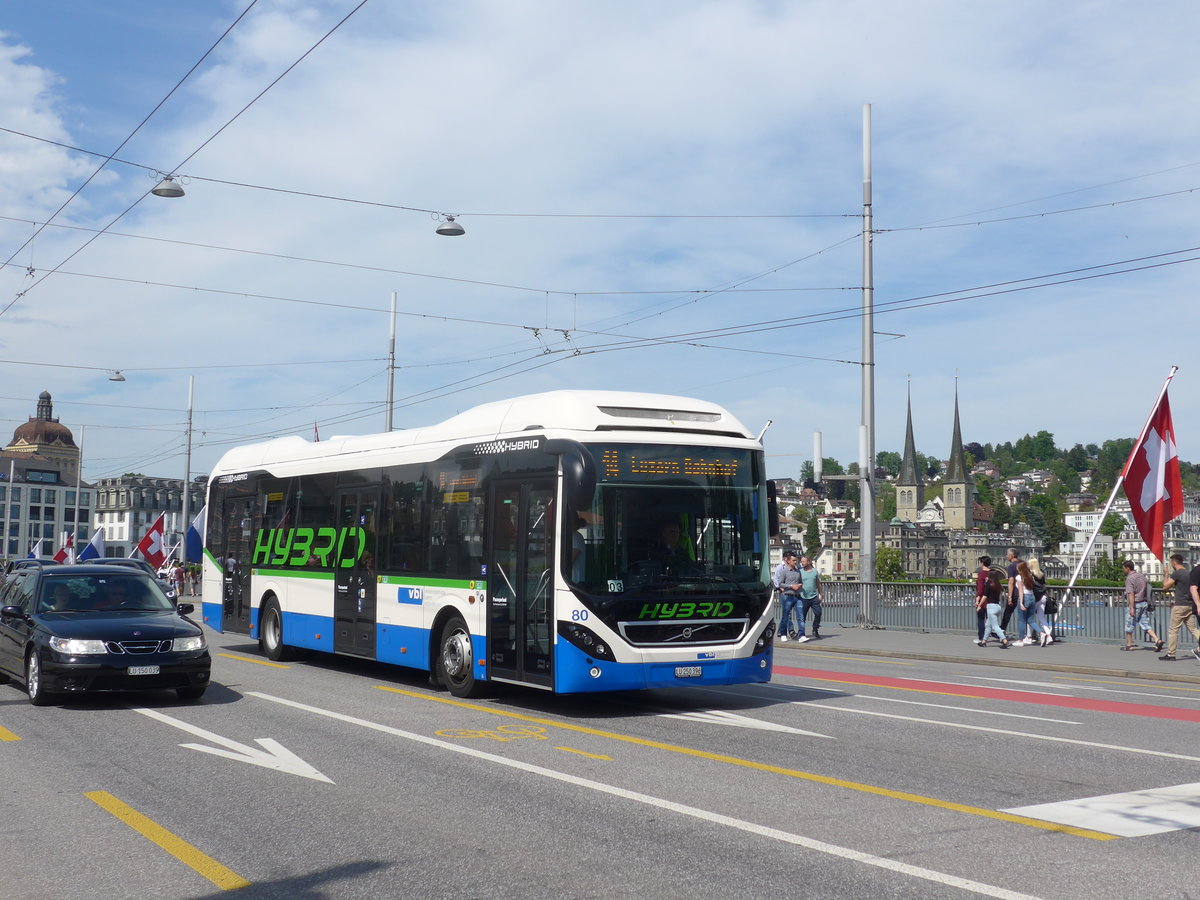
(107, 158)
(190, 156)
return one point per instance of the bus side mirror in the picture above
(579, 476)
(772, 510)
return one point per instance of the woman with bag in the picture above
(1039, 595)
(992, 598)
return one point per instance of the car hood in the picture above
(118, 625)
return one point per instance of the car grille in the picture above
(683, 632)
(138, 646)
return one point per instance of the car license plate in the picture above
(688, 671)
(143, 670)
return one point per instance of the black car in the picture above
(141, 565)
(85, 627)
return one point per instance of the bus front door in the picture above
(354, 580)
(232, 550)
(520, 582)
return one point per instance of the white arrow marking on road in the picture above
(720, 717)
(1132, 814)
(273, 755)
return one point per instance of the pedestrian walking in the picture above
(1027, 602)
(992, 606)
(981, 580)
(1194, 591)
(787, 585)
(1043, 632)
(812, 595)
(1137, 593)
(1183, 611)
(1012, 559)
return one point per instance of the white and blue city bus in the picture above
(517, 542)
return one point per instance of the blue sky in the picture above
(661, 197)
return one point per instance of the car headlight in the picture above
(190, 643)
(77, 646)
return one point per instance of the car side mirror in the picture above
(12, 612)
(185, 608)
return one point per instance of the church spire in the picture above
(910, 489)
(908, 464)
(956, 467)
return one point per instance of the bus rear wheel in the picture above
(456, 660)
(270, 632)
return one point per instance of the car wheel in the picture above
(38, 695)
(192, 692)
(270, 633)
(456, 660)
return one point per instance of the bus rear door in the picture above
(354, 581)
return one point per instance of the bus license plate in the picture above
(143, 670)
(688, 671)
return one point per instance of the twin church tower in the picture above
(958, 488)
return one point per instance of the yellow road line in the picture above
(261, 662)
(6, 735)
(1158, 685)
(225, 879)
(767, 767)
(585, 753)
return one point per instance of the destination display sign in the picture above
(637, 463)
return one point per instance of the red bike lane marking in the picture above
(986, 693)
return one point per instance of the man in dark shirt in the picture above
(981, 578)
(1194, 591)
(1182, 610)
(1011, 602)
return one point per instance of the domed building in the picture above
(43, 437)
(40, 492)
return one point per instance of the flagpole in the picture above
(1117, 486)
(78, 483)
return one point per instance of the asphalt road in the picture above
(846, 777)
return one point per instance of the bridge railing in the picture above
(1092, 615)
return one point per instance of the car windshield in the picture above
(120, 591)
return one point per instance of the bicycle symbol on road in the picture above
(503, 733)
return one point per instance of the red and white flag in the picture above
(1151, 478)
(65, 552)
(152, 545)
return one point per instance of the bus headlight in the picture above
(586, 640)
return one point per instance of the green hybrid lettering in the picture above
(329, 547)
(705, 610)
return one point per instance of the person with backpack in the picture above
(1046, 636)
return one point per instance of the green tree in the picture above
(889, 564)
(1109, 570)
(1113, 525)
(886, 502)
(1054, 531)
(1001, 512)
(888, 461)
(812, 539)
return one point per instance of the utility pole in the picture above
(866, 453)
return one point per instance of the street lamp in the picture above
(167, 188)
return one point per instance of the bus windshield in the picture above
(670, 523)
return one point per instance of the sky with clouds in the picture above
(658, 197)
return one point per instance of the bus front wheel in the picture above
(270, 632)
(456, 660)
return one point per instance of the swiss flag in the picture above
(65, 553)
(1151, 478)
(152, 545)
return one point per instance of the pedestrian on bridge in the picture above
(1183, 612)
(1137, 592)
(812, 595)
(787, 584)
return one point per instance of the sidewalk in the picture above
(1061, 656)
